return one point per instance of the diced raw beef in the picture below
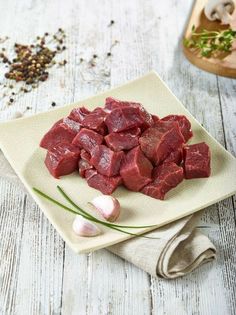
(184, 125)
(124, 118)
(112, 103)
(87, 139)
(197, 159)
(85, 155)
(78, 114)
(83, 166)
(95, 120)
(62, 159)
(125, 140)
(103, 183)
(74, 125)
(62, 131)
(159, 141)
(175, 156)
(106, 161)
(155, 119)
(165, 177)
(136, 170)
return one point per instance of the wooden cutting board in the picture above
(226, 64)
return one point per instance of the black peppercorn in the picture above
(53, 104)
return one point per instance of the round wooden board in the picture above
(225, 67)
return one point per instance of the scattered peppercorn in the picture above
(111, 23)
(53, 104)
(31, 62)
(108, 54)
(94, 56)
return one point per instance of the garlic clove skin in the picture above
(108, 206)
(83, 227)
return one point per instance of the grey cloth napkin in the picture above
(179, 248)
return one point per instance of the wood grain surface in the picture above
(40, 275)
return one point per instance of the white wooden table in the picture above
(39, 274)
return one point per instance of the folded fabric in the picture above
(178, 248)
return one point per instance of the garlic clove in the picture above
(108, 206)
(83, 227)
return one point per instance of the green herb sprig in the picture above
(88, 216)
(210, 43)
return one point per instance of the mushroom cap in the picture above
(214, 8)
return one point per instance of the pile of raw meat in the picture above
(124, 144)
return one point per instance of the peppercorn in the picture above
(111, 22)
(11, 100)
(108, 54)
(53, 104)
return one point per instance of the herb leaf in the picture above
(210, 43)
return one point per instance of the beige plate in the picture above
(19, 141)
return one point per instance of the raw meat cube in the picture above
(112, 103)
(126, 115)
(184, 125)
(103, 183)
(87, 139)
(175, 156)
(165, 177)
(197, 159)
(125, 140)
(62, 159)
(123, 118)
(83, 166)
(78, 114)
(106, 161)
(136, 170)
(62, 131)
(85, 155)
(159, 141)
(155, 119)
(74, 125)
(95, 120)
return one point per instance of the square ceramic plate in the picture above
(19, 140)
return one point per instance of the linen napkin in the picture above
(178, 249)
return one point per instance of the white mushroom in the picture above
(83, 227)
(220, 10)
